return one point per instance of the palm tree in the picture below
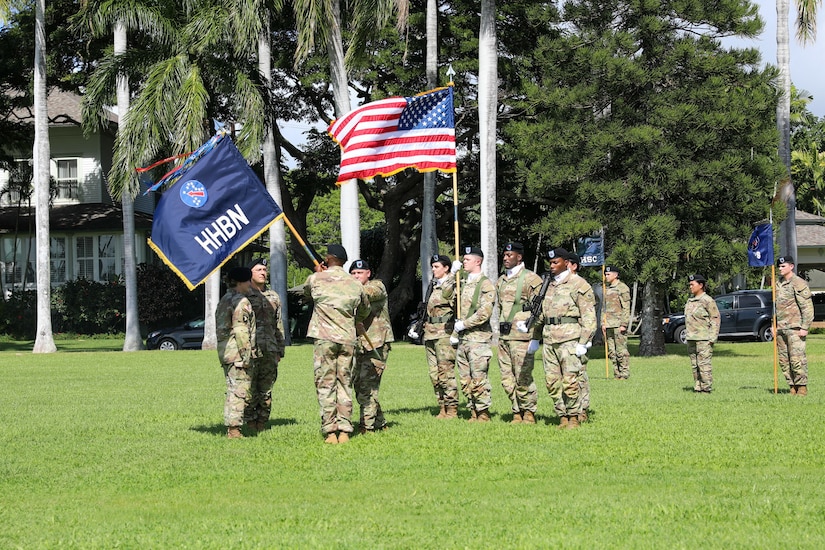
(805, 33)
(487, 107)
(44, 340)
(429, 240)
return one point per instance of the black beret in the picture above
(557, 253)
(473, 251)
(610, 269)
(784, 260)
(697, 278)
(338, 251)
(359, 264)
(514, 247)
(240, 274)
(441, 259)
(573, 257)
(259, 261)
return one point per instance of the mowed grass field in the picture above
(105, 449)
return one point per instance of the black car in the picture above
(187, 336)
(744, 314)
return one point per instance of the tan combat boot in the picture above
(802, 390)
(442, 413)
(483, 416)
(452, 411)
(563, 422)
(528, 417)
(517, 418)
(331, 439)
(573, 422)
(792, 390)
(473, 416)
(234, 432)
(343, 437)
(582, 417)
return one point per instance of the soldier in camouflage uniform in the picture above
(516, 287)
(794, 315)
(438, 325)
(573, 263)
(269, 334)
(472, 333)
(375, 335)
(615, 319)
(339, 303)
(701, 329)
(566, 324)
(235, 331)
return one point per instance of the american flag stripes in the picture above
(386, 136)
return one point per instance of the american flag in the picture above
(386, 136)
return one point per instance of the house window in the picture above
(18, 262)
(67, 179)
(57, 256)
(98, 258)
(20, 185)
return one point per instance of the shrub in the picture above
(18, 314)
(88, 307)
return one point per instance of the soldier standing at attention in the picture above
(235, 331)
(615, 319)
(269, 335)
(517, 286)
(702, 323)
(339, 303)
(574, 263)
(794, 315)
(473, 335)
(438, 325)
(566, 324)
(372, 350)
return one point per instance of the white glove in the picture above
(412, 334)
(457, 264)
(521, 326)
(532, 347)
(454, 339)
(589, 345)
(459, 325)
(581, 349)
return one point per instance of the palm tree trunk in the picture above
(487, 106)
(132, 340)
(44, 339)
(787, 229)
(212, 290)
(429, 241)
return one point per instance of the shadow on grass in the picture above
(220, 429)
(65, 345)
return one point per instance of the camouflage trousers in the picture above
(516, 367)
(265, 373)
(366, 379)
(473, 361)
(238, 383)
(333, 380)
(584, 383)
(561, 373)
(617, 352)
(441, 363)
(701, 353)
(792, 357)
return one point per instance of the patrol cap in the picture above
(338, 251)
(611, 269)
(574, 258)
(697, 278)
(473, 251)
(784, 260)
(240, 274)
(514, 247)
(359, 264)
(441, 259)
(259, 261)
(557, 253)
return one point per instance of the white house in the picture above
(86, 225)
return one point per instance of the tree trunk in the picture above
(132, 340)
(212, 295)
(652, 340)
(429, 240)
(272, 177)
(350, 216)
(44, 339)
(787, 229)
(487, 106)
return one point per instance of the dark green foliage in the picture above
(88, 307)
(17, 314)
(163, 299)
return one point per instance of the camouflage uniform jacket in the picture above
(377, 324)
(235, 328)
(794, 307)
(340, 303)
(269, 328)
(476, 326)
(702, 318)
(616, 311)
(506, 290)
(567, 313)
(440, 314)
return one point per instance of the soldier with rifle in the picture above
(435, 323)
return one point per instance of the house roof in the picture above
(810, 230)
(65, 109)
(73, 217)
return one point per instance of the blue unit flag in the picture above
(215, 208)
(591, 250)
(760, 246)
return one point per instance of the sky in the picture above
(807, 64)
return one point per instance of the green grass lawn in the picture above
(104, 449)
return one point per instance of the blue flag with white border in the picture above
(215, 208)
(760, 246)
(591, 250)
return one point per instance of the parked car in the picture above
(744, 314)
(819, 306)
(186, 336)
